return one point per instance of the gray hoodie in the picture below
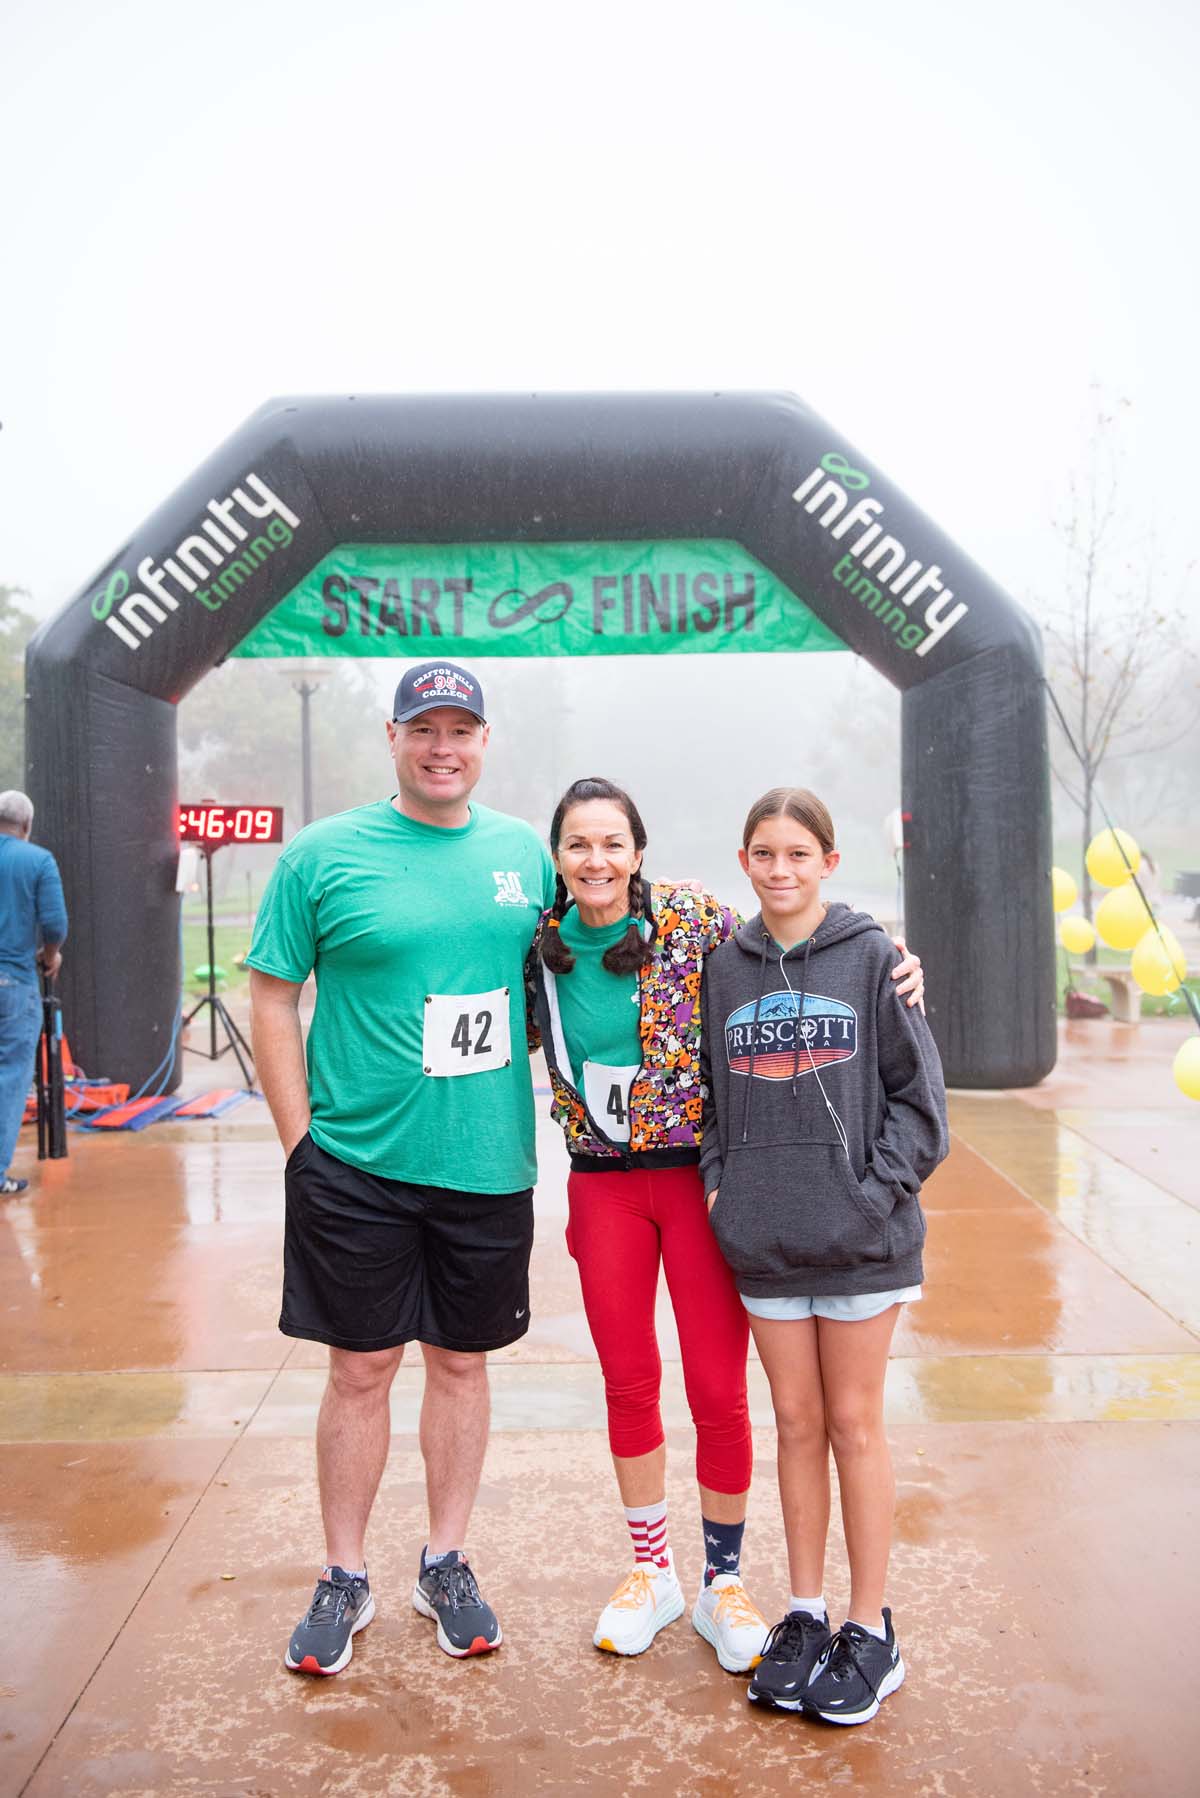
(819, 1136)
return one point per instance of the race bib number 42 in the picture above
(465, 1033)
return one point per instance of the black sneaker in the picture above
(792, 1650)
(855, 1674)
(321, 1641)
(10, 1186)
(446, 1592)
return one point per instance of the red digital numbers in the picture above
(212, 825)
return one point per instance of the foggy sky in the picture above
(938, 226)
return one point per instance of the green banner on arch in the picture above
(538, 599)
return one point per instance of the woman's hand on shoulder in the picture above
(909, 974)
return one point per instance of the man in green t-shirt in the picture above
(409, 1135)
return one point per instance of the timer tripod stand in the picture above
(218, 1011)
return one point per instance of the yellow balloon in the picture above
(1105, 863)
(1076, 935)
(1187, 1067)
(1065, 890)
(1158, 964)
(1122, 918)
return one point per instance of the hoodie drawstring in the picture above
(796, 1040)
(762, 981)
(812, 1060)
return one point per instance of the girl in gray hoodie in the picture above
(824, 1111)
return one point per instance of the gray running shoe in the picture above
(447, 1593)
(321, 1641)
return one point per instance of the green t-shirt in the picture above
(418, 1068)
(600, 1011)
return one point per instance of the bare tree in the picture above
(16, 627)
(1118, 660)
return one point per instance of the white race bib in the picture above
(465, 1033)
(606, 1092)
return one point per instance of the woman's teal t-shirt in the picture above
(600, 1011)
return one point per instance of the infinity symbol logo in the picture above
(104, 601)
(539, 606)
(835, 463)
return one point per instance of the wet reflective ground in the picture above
(159, 1531)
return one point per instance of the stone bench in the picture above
(1125, 995)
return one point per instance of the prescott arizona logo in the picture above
(827, 1032)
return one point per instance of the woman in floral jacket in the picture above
(616, 968)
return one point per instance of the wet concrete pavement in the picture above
(159, 1527)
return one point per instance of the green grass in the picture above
(230, 940)
(1170, 1005)
(233, 905)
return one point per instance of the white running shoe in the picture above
(725, 1616)
(645, 1601)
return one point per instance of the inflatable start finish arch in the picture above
(549, 525)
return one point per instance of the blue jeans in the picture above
(20, 1027)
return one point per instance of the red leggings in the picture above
(621, 1225)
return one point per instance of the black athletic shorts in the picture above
(370, 1263)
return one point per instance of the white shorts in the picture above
(843, 1309)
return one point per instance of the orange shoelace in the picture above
(734, 1606)
(634, 1591)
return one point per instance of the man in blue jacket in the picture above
(33, 928)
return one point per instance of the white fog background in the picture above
(945, 226)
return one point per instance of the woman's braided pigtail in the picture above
(554, 952)
(633, 951)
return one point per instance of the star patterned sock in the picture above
(722, 1548)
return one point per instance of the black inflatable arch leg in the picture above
(117, 808)
(974, 778)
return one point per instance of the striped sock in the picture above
(648, 1527)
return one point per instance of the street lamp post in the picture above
(306, 689)
(305, 678)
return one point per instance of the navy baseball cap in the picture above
(432, 684)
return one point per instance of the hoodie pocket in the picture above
(787, 1206)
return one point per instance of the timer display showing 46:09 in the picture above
(213, 824)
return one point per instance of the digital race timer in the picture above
(213, 825)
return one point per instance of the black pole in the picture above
(51, 1088)
(212, 959)
(57, 1086)
(217, 1009)
(43, 1091)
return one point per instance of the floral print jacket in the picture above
(665, 1098)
